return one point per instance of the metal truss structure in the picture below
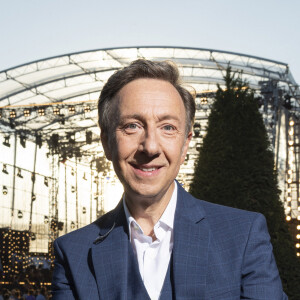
(53, 103)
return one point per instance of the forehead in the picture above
(150, 94)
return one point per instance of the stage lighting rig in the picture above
(4, 170)
(87, 109)
(23, 141)
(38, 140)
(56, 111)
(6, 141)
(20, 214)
(19, 174)
(27, 112)
(41, 111)
(12, 113)
(72, 109)
(89, 137)
(197, 129)
(4, 190)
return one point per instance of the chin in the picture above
(143, 190)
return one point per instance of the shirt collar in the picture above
(166, 218)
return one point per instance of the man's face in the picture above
(150, 142)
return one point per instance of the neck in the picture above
(147, 211)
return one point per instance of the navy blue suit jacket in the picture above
(219, 253)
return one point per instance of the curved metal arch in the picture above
(211, 51)
(60, 78)
(148, 47)
(205, 64)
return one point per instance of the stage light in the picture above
(84, 210)
(38, 140)
(197, 129)
(60, 226)
(87, 109)
(203, 101)
(73, 189)
(19, 173)
(288, 199)
(298, 236)
(12, 113)
(27, 112)
(54, 140)
(46, 181)
(96, 179)
(23, 141)
(4, 169)
(46, 219)
(287, 102)
(20, 214)
(292, 123)
(288, 218)
(84, 176)
(33, 197)
(298, 227)
(72, 172)
(33, 236)
(41, 111)
(71, 109)
(72, 225)
(56, 111)
(89, 137)
(4, 190)
(6, 141)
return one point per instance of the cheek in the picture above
(124, 148)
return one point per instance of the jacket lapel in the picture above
(190, 251)
(110, 256)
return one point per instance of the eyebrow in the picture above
(141, 118)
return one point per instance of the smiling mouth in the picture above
(146, 169)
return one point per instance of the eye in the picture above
(131, 126)
(168, 127)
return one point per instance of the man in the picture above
(160, 242)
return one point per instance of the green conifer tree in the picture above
(236, 168)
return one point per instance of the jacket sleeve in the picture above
(62, 288)
(260, 276)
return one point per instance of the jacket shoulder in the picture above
(88, 233)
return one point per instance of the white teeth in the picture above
(148, 170)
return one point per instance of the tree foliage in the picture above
(236, 168)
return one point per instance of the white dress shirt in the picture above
(153, 256)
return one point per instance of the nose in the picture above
(150, 143)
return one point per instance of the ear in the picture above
(106, 145)
(186, 147)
